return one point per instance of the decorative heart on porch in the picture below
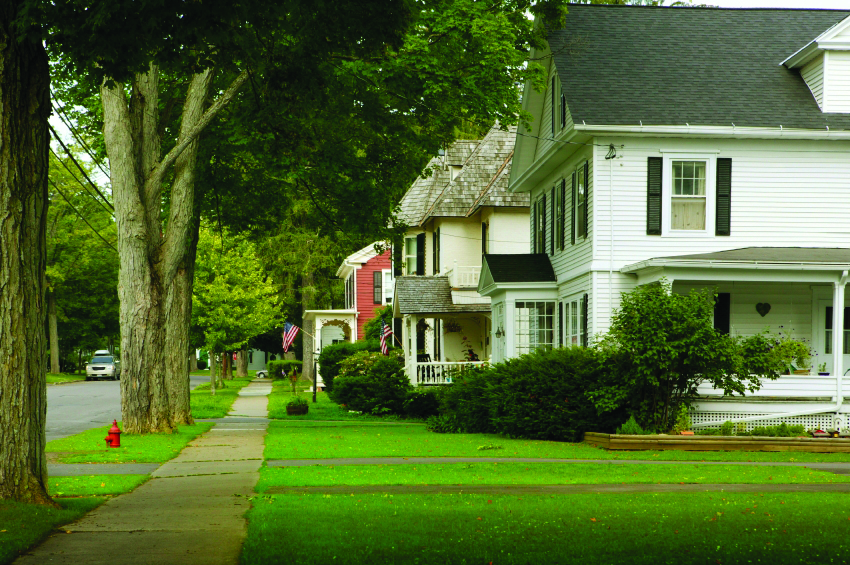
(763, 308)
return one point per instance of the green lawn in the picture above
(292, 439)
(206, 405)
(698, 528)
(90, 447)
(64, 378)
(24, 525)
(536, 473)
(93, 485)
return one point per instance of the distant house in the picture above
(707, 146)
(368, 277)
(459, 212)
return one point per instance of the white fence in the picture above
(464, 277)
(438, 372)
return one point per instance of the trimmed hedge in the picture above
(372, 383)
(280, 369)
(332, 355)
(542, 395)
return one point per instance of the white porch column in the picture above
(412, 336)
(838, 334)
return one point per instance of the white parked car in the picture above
(103, 367)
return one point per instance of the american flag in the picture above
(386, 333)
(289, 333)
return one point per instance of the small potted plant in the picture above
(297, 406)
(822, 370)
(793, 355)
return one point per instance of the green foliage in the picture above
(782, 430)
(332, 355)
(631, 428)
(667, 346)
(232, 299)
(727, 428)
(281, 369)
(443, 424)
(296, 401)
(790, 353)
(202, 365)
(372, 383)
(542, 395)
(422, 403)
(372, 328)
(683, 420)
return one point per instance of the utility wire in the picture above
(70, 172)
(65, 147)
(83, 218)
(60, 111)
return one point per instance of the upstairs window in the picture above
(410, 255)
(687, 205)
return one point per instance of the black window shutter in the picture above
(723, 225)
(584, 321)
(377, 290)
(420, 254)
(653, 195)
(552, 223)
(573, 214)
(563, 110)
(398, 258)
(586, 197)
(534, 227)
(722, 308)
(563, 211)
(434, 261)
(543, 224)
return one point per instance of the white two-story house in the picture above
(455, 215)
(707, 146)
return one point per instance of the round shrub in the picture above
(372, 383)
(468, 399)
(421, 403)
(332, 355)
(202, 365)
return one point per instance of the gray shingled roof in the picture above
(483, 180)
(429, 295)
(623, 65)
(838, 256)
(425, 190)
(525, 267)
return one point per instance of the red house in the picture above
(368, 278)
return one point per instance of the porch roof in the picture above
(780, 257)
(428, 295)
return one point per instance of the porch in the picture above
(796, 293)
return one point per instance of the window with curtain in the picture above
(687, 206)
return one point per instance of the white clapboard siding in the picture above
(813, 75)
(838, 82)
(543, 129)
(784, 193)
(794, 386)
(606, 302)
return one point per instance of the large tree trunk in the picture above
(24, 109)
(242, 363)
(53, 330)
(193, 361)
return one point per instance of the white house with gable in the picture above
(707, 146)
(455, 215)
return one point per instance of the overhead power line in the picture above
(109, 210)
(60, 111)
(83, 218)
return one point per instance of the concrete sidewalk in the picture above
(191, 512)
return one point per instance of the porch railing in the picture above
(787, 386)
(439, 372)
(464, 276)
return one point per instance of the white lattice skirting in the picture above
(811, 421)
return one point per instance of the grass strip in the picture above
(24, 525)
(323, 409)
(537, 474)
(206, 405)
(644, 528)
(293, 439)
(63, 378)
(90, 447)
(94, 485)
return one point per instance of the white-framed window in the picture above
(410, 255)
(534, 325)
(581, 201)
(388, 285)
(540, 224)
(688, 194)
(349, 291)
(827, 349)
(574, 321)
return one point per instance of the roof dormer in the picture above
(824, 63)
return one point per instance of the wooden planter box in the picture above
(297, 410)
(716, 443)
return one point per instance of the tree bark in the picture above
(213, 372)
(53, 330)
(24, 109)
(193, 361)
(242, 363)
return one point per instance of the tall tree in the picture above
(25, 103)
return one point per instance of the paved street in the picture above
(76, 407)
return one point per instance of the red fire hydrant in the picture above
(113, 439)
